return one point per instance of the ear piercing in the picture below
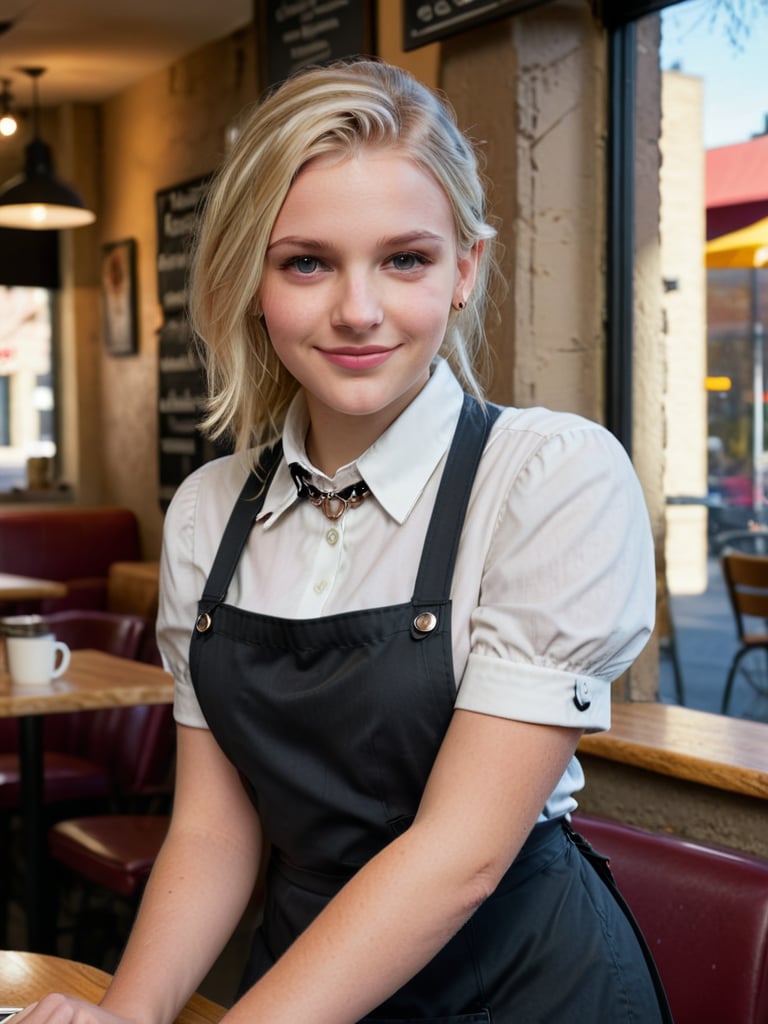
(459, 305)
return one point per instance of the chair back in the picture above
(704, 913)
(115, 632)
(746, 578)
(138, 745)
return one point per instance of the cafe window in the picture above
(689, 119)
(27, 391)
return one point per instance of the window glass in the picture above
(713, 147)
(27, 395)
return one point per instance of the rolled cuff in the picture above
(534, 693)
(186, 709)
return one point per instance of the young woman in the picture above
(405, 607)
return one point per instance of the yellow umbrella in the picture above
(747, 247)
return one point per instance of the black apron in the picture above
(334, 724)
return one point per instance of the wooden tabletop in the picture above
(25, 977)
(23, 588)
(714, 750)
(94, 679)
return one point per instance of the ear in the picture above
(466, 272)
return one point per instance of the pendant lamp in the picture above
(37, 199)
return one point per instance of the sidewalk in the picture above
(706, 642)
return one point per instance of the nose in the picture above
(357, 304)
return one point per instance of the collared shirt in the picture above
(553, 593)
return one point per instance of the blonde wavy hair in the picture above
(339, 108)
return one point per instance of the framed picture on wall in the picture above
(118, 288)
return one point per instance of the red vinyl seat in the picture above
(704, 912)
(116, 851)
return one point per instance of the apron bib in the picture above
(334, 724)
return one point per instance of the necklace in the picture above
(332, 503)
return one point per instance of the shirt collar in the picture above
(423, 430)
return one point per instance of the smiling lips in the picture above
(354, 357)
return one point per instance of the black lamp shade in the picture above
(37, 199)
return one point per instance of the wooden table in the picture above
(26, 977)
(713, 750)
(27, 588)
(93, 680)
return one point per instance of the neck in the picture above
(330, 446)
(336, 440)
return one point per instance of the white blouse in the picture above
(553, 594)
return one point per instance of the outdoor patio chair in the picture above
(746, 578)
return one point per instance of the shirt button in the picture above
(320, 587)
(332, 537)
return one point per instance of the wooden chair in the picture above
(666, 629)
(78, 747)
(116, 851)
(704, 913)
(746, 578)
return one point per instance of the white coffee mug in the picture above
(36, 660)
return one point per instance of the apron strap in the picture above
(433, 581)
(238, 528)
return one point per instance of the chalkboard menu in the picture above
(181, 380)
(295, 34)
(427, 22)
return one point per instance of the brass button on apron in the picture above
(203, 623)
(425, 622)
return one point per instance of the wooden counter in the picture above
(713, 750)
(692, 773)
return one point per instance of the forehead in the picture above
(336, 189)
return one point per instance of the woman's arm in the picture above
(199, 887)
(485, 793)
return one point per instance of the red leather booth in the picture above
(75, 546)
(704, 913)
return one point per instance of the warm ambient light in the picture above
(37, 200)
(8, 123)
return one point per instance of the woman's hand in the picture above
(60, 1009)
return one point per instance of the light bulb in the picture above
(8, 125)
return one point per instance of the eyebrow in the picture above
(396, 242)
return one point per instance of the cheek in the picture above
(426, 315)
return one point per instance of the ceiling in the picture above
(92, 49)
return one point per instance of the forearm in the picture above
(198, 890)
(486, 790)
(386, 923)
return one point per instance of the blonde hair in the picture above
(339, 108)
